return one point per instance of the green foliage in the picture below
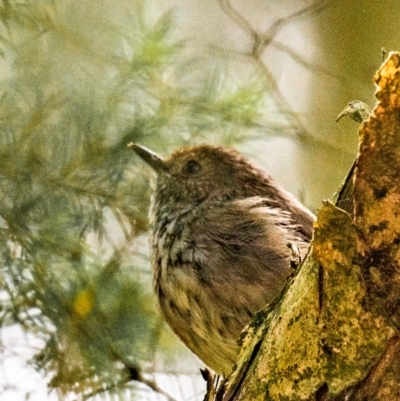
(81, 79)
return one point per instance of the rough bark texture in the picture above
(334, 333)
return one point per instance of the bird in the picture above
(220, 229)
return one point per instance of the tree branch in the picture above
(259, 43)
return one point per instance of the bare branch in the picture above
(124, 382)
(273, 30)
(306, 64)
(237, 18)
(280, 99)
(261, 41)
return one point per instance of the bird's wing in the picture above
(242, 247)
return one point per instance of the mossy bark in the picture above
(334, 333)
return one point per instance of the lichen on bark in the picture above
(334, 333)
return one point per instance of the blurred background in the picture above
(81, 79)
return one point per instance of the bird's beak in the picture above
(152, 159)
(356, 110)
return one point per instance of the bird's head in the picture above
(202, 172)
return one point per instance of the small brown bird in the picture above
(220, 229)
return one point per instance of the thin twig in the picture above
(306, 64)
(154, 386)
(273, 30)
(237, 18)
(151, 384)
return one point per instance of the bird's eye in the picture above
(191, 167)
